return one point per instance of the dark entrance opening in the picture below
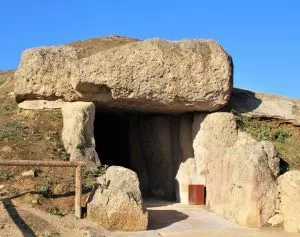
(111, 132)
(147, 143)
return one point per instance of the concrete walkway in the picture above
(167, 219)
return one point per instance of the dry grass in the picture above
(34, 135)
(285, 137)
(4, 75)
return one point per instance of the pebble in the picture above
(29, 173)
(6, 149)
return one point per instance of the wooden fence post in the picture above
(78, 179)
(78, 191)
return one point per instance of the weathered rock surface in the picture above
(29, 173)
(273, 157)
(162, 155)
(248, 186)
(260, 105)
(239, 174)
(151, 75)
(186, 172)
(276, 220)
(155, 134)
(212, 134)
(119, 206)
(118, 177)
(78, 131)
(41, 104)
(289, 195)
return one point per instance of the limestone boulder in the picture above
(239, 172)
(118, 177)
(245, 189)
(119, 205)
(150, 75)
(261, 105)
(212, 135)
(289, 196)
(78, 131)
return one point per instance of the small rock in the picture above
(6, 149)
(276, 220)
(29, 173)
(34, 201)
(1, 186)
(11, 94)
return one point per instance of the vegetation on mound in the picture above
(285, 137)
(35, 135)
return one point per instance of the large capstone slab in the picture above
(150, 75)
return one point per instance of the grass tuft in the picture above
(285, 137)
(93, 172)
(12, 128)
(5, 175)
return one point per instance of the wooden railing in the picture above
(78, 177)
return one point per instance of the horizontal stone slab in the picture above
(150, 75)
(261, 105)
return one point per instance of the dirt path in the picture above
(26, 221)
(165, 219)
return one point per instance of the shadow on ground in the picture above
(17, 219)
(163, 218)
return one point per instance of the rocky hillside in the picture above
(34, 135)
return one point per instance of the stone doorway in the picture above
(147, 143)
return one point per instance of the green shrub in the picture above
(12, 128)
(281, 136)
(56, 212)
(13, 191)
(263, 133)
(45, 187)
(10, 106)
(5, 175)
(92, 172)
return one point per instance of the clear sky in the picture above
(263, 37)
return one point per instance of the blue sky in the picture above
(263, 37)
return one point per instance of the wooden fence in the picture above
(78, 178)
